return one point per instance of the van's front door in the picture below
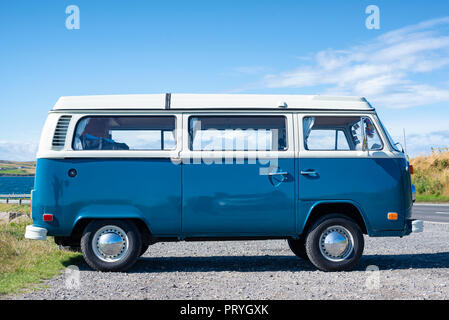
(229, 185)
(344, 159)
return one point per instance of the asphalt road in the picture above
(431, 212)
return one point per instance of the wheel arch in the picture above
(347, 208)
(82, 222)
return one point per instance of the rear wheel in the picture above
(111, 245)
(334, 243)
(144, 249)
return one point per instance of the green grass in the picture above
(25, 263)
(431, 198)
(15, 172)
(17, 168)
(10, 207)
(431, 177)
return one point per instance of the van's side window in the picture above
(238, 133)
(125, 133)
(340, 133)
(372, 138)
(327, 139)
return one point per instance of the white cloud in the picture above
(386, 70)
(418, 144)
(18, 151)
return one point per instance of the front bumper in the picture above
(35, 233)
(417, 226)
(414, 226)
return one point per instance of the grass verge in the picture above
(10, 207)
(25, 263)
(431, 198)
(431, 177)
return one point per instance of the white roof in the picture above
(211, 101)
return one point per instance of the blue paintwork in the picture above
(375, 186)
(149, 189)
(220, 199)
(235, 199)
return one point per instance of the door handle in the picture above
(279, 173)
(309, 173)
(277, 176)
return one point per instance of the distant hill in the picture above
(17, 168)
(431, 176)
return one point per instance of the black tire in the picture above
(349, 258)
(130, 255)
(298, 247)
(144, 249)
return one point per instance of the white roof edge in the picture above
(212, 101)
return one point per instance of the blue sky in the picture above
(295, 47)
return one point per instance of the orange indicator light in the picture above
(392, 216)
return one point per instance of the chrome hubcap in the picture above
(336, 243)
(110, 243)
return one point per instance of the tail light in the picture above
(411, 169)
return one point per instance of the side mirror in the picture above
(398, 144)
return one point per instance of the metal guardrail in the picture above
(15, 198)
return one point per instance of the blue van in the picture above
(118, 173)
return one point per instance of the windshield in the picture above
(390, 139)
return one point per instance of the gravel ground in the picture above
(414, 267)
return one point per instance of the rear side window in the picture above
(125, 133)
(238, 133)
(340, 133)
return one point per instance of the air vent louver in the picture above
(61, 132)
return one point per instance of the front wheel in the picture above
(298, 247)
(334, 243)
(111, 245)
